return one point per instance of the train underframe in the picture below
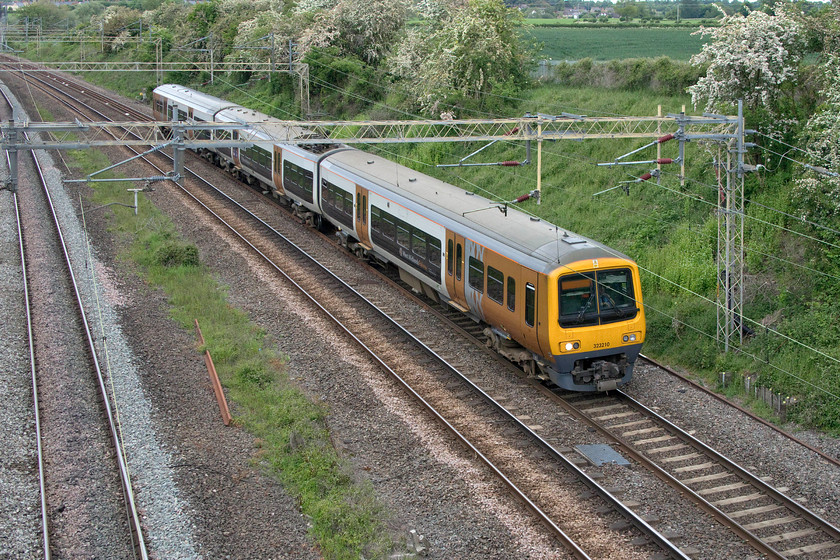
(603, 372)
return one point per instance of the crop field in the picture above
(604, 43)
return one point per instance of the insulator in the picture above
(665, 160)
(510, 164)
(645, 177)
(514, 131)
(665, 138)
(523, 198)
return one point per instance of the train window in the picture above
(358, 212)
(530, 304)
(449, 255)
(408, 242)
(364, 209)
(511, 294)
(182, 116)
(596, 298)
(434, 251)
(403, 235)
(389, 228)
(260, 156)
(577, 300)
(418, 244)
(459, 262)
(337, 202)
(476, 275)
(495, 284)
(297, 180)
(159, 105)
(615, 296)
(203, 134)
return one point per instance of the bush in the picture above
(176, 253)
(661, 75)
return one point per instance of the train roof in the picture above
(516, 230)
(196, 99)
(262, 126)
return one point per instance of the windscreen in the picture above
(595, 298)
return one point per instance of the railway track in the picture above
(761, 514)
(70, 397)
(795, 525)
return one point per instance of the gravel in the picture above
(20, 507)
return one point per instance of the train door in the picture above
(234, 151)
(455, 273)
(362, 215)
(191, 133)
(277, 172)
(530, 307)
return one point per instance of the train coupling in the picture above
(606, 385)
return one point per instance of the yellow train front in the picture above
(565, 307)
(595, 323)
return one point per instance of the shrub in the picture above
(175, 253)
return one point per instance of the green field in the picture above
(604, 43)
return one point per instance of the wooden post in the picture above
(214, 379)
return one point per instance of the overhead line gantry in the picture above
(727, 131)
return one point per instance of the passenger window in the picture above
(459, 262)
(403, 236)
(511, 294)
(476, 276)
(449, 255)
(495, 284)
(434, 252)
(364, 209)
(530, 304)
(418, 244)
(358, 209)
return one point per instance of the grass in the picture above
(294, 443)
(605, 43)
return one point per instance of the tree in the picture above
(819, 193)
(473, 52)
(368, 28)
(47, 13)
(754, 58)
(627, 10)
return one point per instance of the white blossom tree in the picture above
(819, 190)
(365, 29)
(475, 50)
(753, 57)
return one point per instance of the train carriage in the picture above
(559, 304)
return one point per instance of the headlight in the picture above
(569, 346)
(629, 338)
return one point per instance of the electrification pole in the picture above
(730, 258)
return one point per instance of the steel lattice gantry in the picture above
(726, 131)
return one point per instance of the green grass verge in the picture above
(294, 443)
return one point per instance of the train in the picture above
(561, 306)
